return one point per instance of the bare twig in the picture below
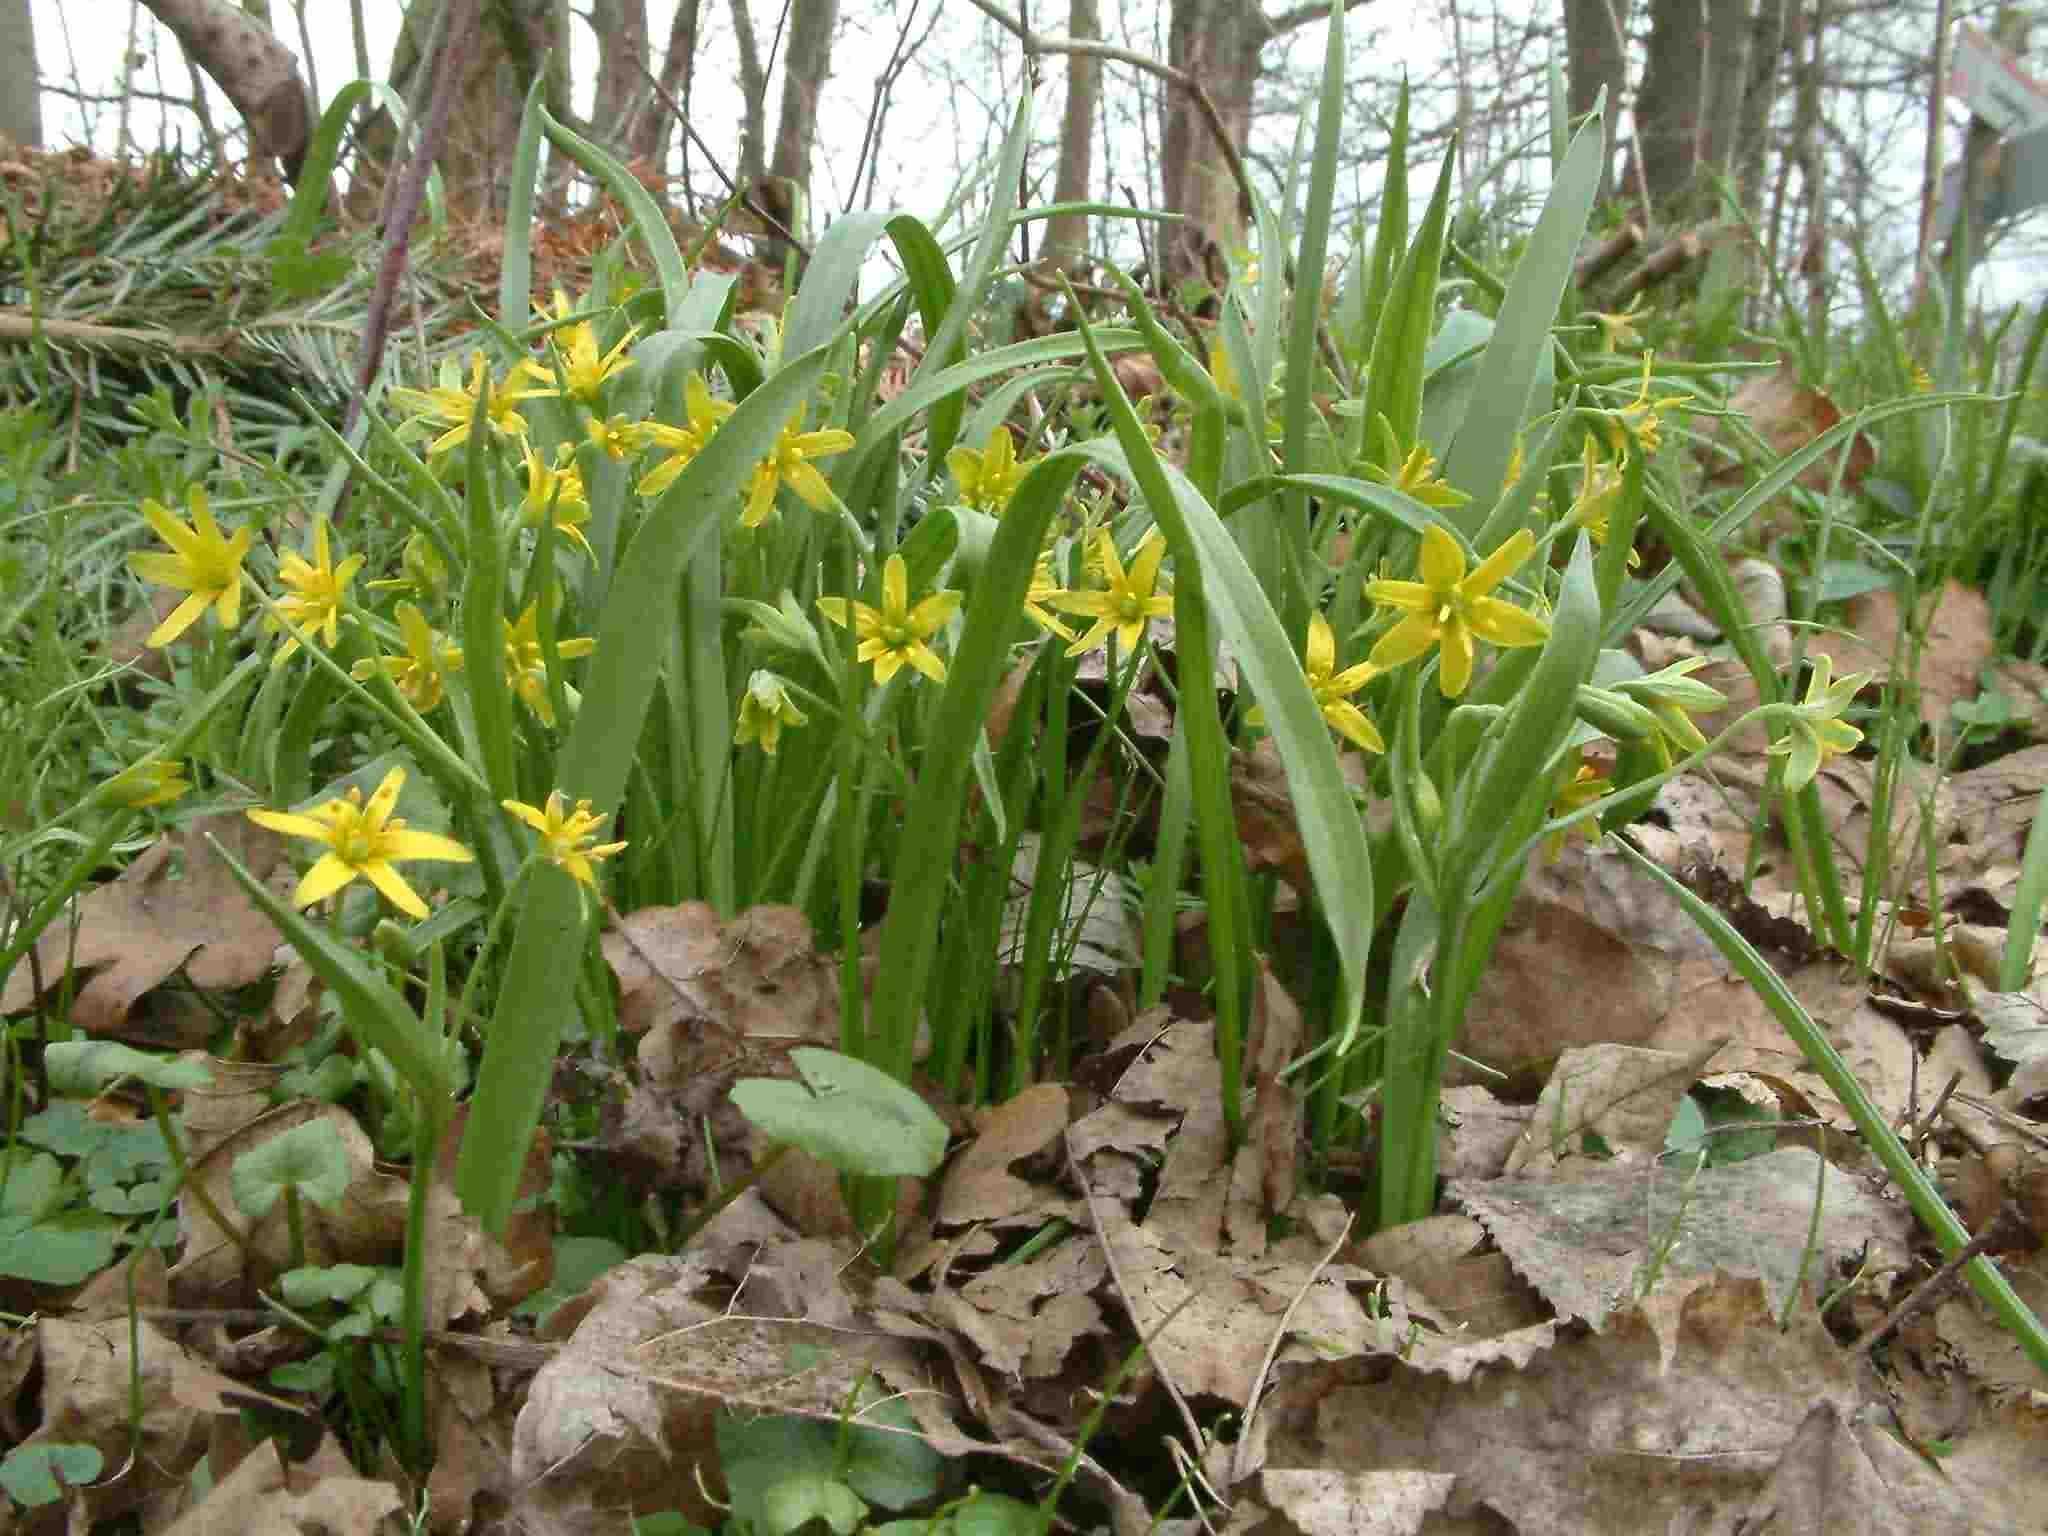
(1038, 42)
(2002, 1229)
(744, 194)
(405, 206)
(1242, 1451)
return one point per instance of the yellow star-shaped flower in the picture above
(203, 563)
(765, 708)
(1417, 477)
(421, 673)
(566, 836)
(1579, 791)
(583, 369)
(1618, 331)
(989, 478)
(684, 443)
(1128, 599)
(153, 781)
(896, 634)
(1448, 609)
(1816, 734)
(1642, 418)
(1599, 488)
(1044, 589)
(526, 668)
(425, 573)
(452, 405)
(363, 840)
(561, 487)
(1333, 689)
(318, 589)
(789, 463)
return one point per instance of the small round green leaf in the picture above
(37, 1474)
(847, 1113)
(309, 1157)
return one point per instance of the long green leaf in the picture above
(1407, 319)
(538, 993)
(648, 219)
(1518, 355)
(931, 833)
(1330, 828)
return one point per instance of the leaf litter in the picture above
(1599, 1331)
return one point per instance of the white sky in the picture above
(949, 108)
(936, 126)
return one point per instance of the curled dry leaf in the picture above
(176, 905)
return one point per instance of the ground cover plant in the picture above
(733, 919)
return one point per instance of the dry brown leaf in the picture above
(1994, 809)
(1600, 1433)
(717, 1000)
(264, 1495)
(1592, 1242)
(979, 1185)
(1478, 1132)
(1842, 1477)
(1452, 1281)
(1990, 1352)
(1624, 1095)
(1343, 1503)
(85, 1400)
(1588, 955)
(176, 905)
(1788, 415)
(366, 1226)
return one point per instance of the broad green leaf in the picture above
(64, 1249)
(37, 1475)
(846, 1113)
(1518, 355)
(84, 1067)
(310, 1158)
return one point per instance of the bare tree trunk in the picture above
(515, 36)
(1812, 164)
(1668, 106)
(678, 68)
(1218, 42)
(1596, 59)
(1066, 237)
(21, 114)
(1728, 38)
(753, 99)
(623, 65)
(1752, 148)
(256, 72)
(806, 64)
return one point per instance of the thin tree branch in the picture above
(405, 205)
(1302, 15)
(746, 194)
(1038, 42)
